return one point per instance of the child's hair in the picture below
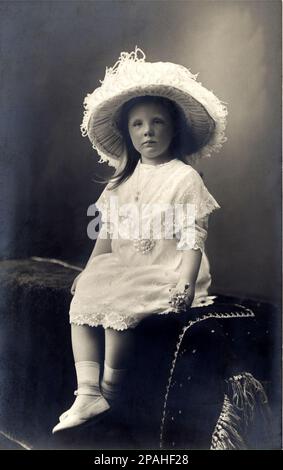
(182, 144)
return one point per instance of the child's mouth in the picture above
(149, 143)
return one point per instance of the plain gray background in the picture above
(54, 52)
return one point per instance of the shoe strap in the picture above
(86, 391)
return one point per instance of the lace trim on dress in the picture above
(110, 319)
(199, 196)
(189, 228)
(194, 236)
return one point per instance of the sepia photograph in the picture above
(141, 227)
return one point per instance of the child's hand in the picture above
(182, 296)
(73, 288)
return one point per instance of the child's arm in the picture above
(191, 260)
(204, 203)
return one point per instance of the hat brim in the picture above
(105, 136)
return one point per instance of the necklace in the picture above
(138, 191)
(149, 167)
(142, 245)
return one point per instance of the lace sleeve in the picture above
(195, 204)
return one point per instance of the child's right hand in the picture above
(73, 288)
(182, 296)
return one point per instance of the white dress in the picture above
(119, 289)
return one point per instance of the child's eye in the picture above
(137, 123)
(158, 121)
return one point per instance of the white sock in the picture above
(88, 383)
(112, 382)
(88, 377)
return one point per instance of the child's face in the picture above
(151, 130)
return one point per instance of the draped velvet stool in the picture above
(198, 380)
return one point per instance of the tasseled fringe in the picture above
(246, 392)
(238, 412)
(227, 435)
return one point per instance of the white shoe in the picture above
(82, 416)
(73, 407)
(64, 415)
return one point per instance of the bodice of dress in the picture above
(172, 212)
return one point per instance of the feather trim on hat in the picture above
(131, 76)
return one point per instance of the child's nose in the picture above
(148, 130)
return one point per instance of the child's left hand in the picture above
(182, 296)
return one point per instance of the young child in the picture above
(151, 121)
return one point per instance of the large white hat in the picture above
(132, 76)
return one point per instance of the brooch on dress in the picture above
(144, 245)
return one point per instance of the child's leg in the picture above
(87, 349)
(87, 343)
(119, 348)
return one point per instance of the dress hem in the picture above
(125, 323)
